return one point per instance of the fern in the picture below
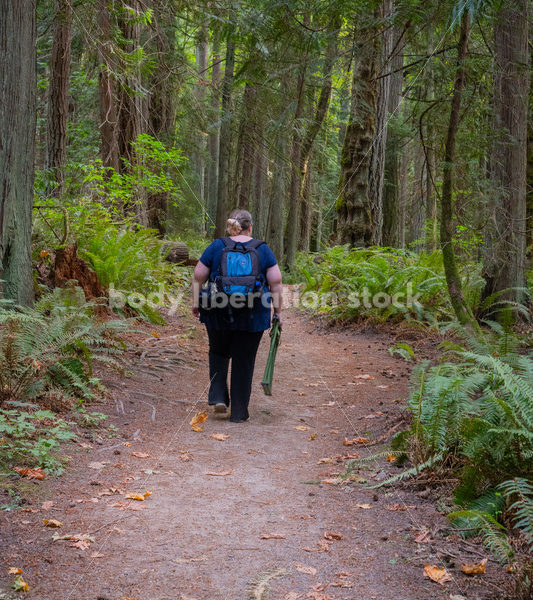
(39, 353)
(521, 491)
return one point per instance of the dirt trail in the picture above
(199, 536)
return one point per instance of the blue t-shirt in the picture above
(257, 319)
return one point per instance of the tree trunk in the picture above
(377, 161)
(18, 39)
(505, 256)
(202, 50)
(132, 112)
(56, 150)
(393, 150)
(214, 132)
(161, 112)
(260, 204)
(447, 224)
(107, 92)
(303, 213)
(225, 137)
(294, 186)
(353, 204)
(246, 148)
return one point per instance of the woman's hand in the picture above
(196, 312)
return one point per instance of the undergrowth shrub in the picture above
(53, 346)
(473, 415)
(342, 271)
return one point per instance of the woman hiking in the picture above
(244, 287)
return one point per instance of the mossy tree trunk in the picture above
(18, 39)
(354, 207)
(56, 150)
(447, 228)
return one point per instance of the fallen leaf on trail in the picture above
(219, 473)
(80, 545)
(185, 456)
(361, 440)
(343, 574)
(374, 415)
(347, 442)
(325, 461)
(97, 555)
(437, 574)
(363, 506)
(80, 540)
(15, 571)
(85, 445)
(329, 403)
(184, 598)
(391, 458)
(365, 376)
(140, 454)
(47, 505)
(302, 393)
(332, 536)
(30, 510)
(86, 500)
(383, 387)
(155, 334)
(97, 465)
(125, 505)
(394, 507)
(36, 473)
(330, 481)
(312, 437)
(302, 428)
(52, 523)
(322, 546)
(423, 537)
(128, 444)
(220, 437)
(197, 420)
(356, 479)
(334, 431)
(139, 497)
(474, 568)
(457, 597)
(19, 585)
(110, 492)
(305, 570)
(348, 456)
(273, 536)
(292, 596)
(318, 596)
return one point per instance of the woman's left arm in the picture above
(200, 276)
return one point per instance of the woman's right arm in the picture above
(200, 276)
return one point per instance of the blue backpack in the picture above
(240, 273)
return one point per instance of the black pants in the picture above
(241, 347)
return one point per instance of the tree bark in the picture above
(246, 148)
(291, 238)
(377, 161)
(225, 137)
(505, 256)
(392, 185)
(56, 150)
(353, 204)
(18, 40)
(202, 50)
(447, 229)
(214, 132)
(161, 111)
(106, 92)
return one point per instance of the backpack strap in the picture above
(228, 242)
(254, 244)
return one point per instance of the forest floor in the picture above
(226, 519)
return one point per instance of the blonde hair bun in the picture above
(234, 227)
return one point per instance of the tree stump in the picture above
(68, 266)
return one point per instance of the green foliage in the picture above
(53, 346)
(355, 283)
(33, 438)
(149, 172)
